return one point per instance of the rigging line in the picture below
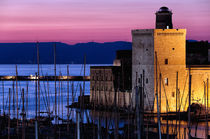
(50, 98)
(20, 94)
(165, 94)
(164, 91)
(183, 91)
(148, 101)
(43, 98)
(27, 91)
(44, 88)
(145, 89)
(67, 77)
(3, 91)
(5, 106)
(202, 100)
(77, 86)
(53, 101)
(62, 98)
(19, 101)
(130, 100)
(163, 85)
(186, 101)
(45, 93)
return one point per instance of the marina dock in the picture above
(45, 78)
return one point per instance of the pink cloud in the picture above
(105, 20)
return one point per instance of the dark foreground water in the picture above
(47, 91)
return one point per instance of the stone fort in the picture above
(161, 54)
(157, 63)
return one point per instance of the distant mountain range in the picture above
(96, 53)
(26, 53)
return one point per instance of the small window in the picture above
(173, 94)
(166, 61)
(166, 81)
(146, 49)
(173, 48)
(139, 80)
(147, 80)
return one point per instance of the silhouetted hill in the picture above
(26, 53)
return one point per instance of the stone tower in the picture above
(158, 55)
(164, 18)
(159, 51)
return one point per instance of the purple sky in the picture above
(73, 21)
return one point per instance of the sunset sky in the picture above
(73, 21)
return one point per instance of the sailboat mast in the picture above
(176, 99)
(48, 96)
(207, 91)
(55, 83)
(26, 99)
(38, 81)
(158, 113)
(17, 96)
(13, 95)
(9, 114)
(206, 107)
(62, 99)
(3, 96)
(23, 115)
(189, 109)
(36, 95)
(84, 80)
(59, 93)
(68, 98)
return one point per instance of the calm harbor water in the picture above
(46, 103)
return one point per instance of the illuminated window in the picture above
(166, 61)
(166, 81)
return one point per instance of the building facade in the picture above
(158, 70)
(159, 55)
(110, 86)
